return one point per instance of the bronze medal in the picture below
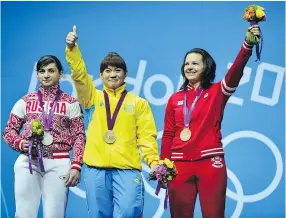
(185, 134)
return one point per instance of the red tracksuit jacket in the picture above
(205, 123)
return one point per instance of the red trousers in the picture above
(206, 177)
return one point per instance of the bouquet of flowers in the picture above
(254, 14)
(165, 172)
(37, 128)
(37, 134)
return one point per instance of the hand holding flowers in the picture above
(163, 173)
(37, 134)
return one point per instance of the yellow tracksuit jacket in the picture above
(134, 127)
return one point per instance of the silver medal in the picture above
(47, 139)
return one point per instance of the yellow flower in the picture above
(170, 178)
(39, 132)
(260, 8)
(161, 162)
(260, 13)
(168, 163)
(37, 127)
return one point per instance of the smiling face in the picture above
(49, 75)
(113, 70)
(194, 68)
(113, 77)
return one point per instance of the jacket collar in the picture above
(49, 92)
(117, 91)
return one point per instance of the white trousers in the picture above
(29, 188)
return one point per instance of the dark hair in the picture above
(209, 68)
(113, 59)
(49, 59)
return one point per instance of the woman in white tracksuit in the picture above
(46, 170)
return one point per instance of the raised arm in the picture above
(83, 83)
(235, 73)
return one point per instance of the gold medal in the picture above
(185, 134)
(109, 137)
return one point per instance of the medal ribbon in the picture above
(48, 122)
(187, 112)
(111, 120)
(158, 188)
(40, 157)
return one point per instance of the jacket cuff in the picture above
(19, 144)
(154, 162)
(246, 45)
(76, 165)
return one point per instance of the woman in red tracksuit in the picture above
(192, 133)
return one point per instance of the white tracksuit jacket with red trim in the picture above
(67, 126)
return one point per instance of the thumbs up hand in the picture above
(71, 38)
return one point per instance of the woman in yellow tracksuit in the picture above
(121, 129)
